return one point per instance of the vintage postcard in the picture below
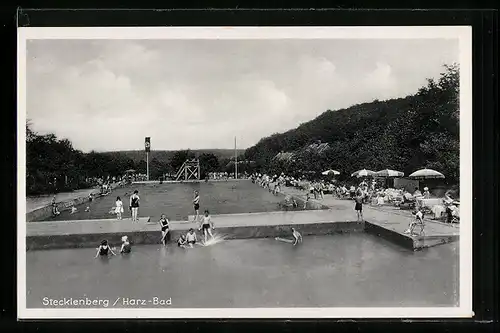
(249, 172)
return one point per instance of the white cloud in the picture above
(108, 95)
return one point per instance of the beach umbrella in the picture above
(330, 172)
(363, 173)
(389, 173)
(426, 174)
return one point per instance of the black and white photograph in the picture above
(245, 172)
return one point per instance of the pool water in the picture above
(342, 270)
(175, 200)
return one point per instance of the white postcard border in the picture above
(463, 33)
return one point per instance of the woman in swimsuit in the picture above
(134, 205)
(104, 249)
(207, 225)
(358, 207)
(164, 229)
(191, 237)
(126, 247)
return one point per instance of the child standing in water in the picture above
(126, 247)
(196, 204)
(207, 225)
(119, 208)
(164, 229)
(134, 205)
(104, 249)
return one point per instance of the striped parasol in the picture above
(363, 173)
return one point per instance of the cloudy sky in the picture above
(109, 94)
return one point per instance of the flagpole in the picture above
(235, 160)
(147, 165)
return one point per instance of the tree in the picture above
(179, 158)
(403, 134)
(208, 163)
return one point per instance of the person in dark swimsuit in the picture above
(196, 204)
(359, 205)
(126, 247)
(134, 205)
(104, 249)
(164, 229)
(181, 242)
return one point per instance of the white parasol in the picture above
(389, 173)
(426, 174)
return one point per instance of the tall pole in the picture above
(235, 160)
(147, 165)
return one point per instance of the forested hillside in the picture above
(421, 130)
(165, 156)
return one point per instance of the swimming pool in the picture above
(175, 200)
(342, 270)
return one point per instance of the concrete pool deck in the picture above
(339, 218)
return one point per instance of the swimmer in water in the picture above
(73, 210)
(181, 242)
(297, 238)
(164, 229)
(196, 205)
(191, 238)
(87, 209)
(104, 249)
(126, 247)
(207, 225)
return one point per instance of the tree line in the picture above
(405, 134)
(54, 165)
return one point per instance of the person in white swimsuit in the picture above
(191, 238)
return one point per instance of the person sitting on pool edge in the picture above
(207, 225)
(126, 247)
(104, 249)
(191, 237)
(181, 242)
